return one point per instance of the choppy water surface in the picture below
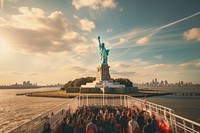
(15, 110)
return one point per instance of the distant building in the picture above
(155, 83)
(27, 83)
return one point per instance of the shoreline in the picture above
(63, 94)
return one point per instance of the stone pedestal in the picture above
(103, 81)
(103, 73)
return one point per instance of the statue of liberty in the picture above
(103, 52)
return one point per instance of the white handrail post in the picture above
(87, 100)
(128, 101)
(175, 124)
(156, 109)
(184, 126)
(192, 127)
(94, 100)
(164, 113)
(113, 101)
(79, 101)
(124, 100)
(150, 107)
(120, 100)
(171, 121)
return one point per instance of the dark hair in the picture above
(149, 120)
(142, 112)
(133, 117)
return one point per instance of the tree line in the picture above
(82, 81)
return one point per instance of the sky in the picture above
(48, 41)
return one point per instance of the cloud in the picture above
(94, 4)
(128, 35)
(121, 9)
(78, 68)
(140, 61)
(122, 40)
(122, 73)
(143, 40)
(192, 34)
(85, 48)
(109, 30)
(16, 73)
(177, 73)
(158, 66)
(123, 65)
(2, 2)
(32, 74)
(86, 25)
(144, 74)
(191, 64)
(158, 57)
(76, 17)
(33, 30)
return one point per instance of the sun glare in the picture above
(4, 47)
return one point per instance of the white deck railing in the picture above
(53, 117)
(177, 123)
(167, 115)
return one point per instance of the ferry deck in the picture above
(168, 120)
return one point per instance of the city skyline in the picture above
(56, 41)
(154, 81)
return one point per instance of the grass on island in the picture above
(64, 94)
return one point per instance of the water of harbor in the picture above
(185, 106)
(15, 110)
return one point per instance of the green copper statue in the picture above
(103, 52)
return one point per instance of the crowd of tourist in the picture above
(107, 119)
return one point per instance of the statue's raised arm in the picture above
(103, 52)
(99, 40)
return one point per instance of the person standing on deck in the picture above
(154, 123)
(64, 126)
(133, 125)
(123, 122)
(91, 127)
(70, 127)
(140, 120)
(149, 127)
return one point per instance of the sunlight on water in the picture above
(15, 110)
